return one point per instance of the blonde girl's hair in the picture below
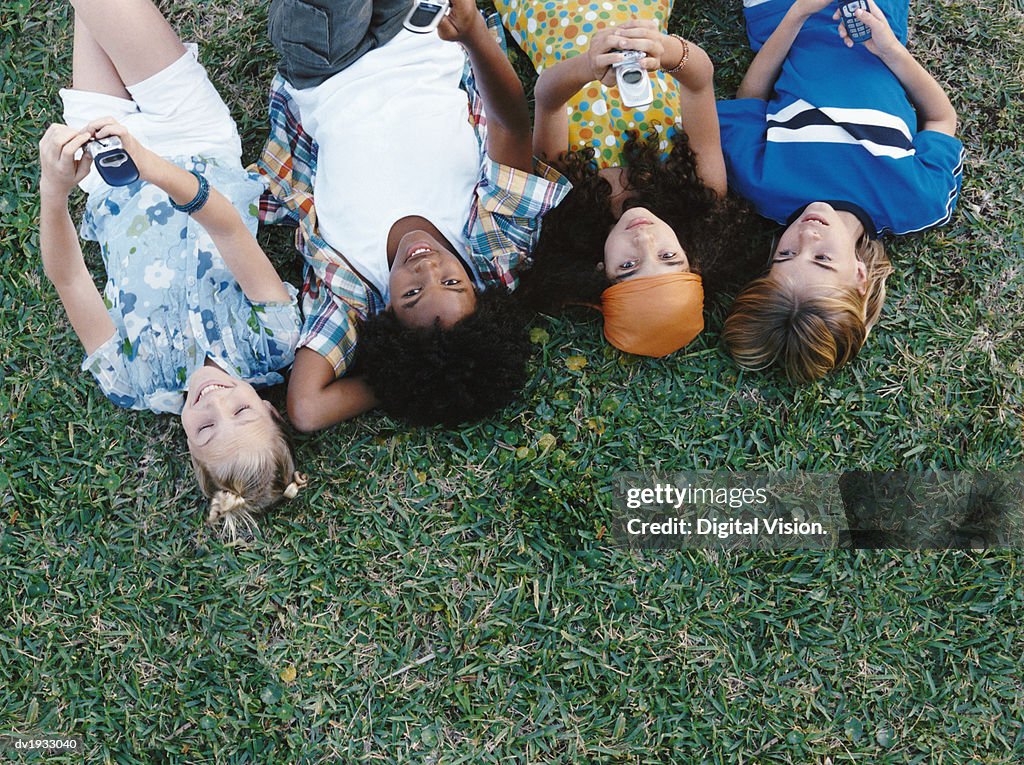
(241, 489)
(772, 322)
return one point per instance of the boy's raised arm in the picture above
(934, 109)
(759, 81)
(508, 117)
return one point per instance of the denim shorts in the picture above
(318, 38)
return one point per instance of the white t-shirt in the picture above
(394, 140)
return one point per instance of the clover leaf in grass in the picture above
(271, 694)
(539, 335)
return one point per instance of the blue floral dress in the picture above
(172, 299)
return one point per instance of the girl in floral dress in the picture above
(193, 313)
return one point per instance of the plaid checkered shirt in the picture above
(502, 229)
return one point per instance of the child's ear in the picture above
(862, 277)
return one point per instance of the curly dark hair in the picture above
(434, 375)
(714, 231)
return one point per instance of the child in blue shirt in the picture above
(193, 313)
(842, 142)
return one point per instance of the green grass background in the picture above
(445, 596)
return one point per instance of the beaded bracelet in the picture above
(198, 200)
(685, 56)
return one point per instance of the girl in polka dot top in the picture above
(649, 199)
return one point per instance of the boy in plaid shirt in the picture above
(428, 200)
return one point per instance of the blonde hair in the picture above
(254, 481)
(772, 321)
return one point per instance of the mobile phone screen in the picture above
(424, 14)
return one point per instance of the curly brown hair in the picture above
(714, 231)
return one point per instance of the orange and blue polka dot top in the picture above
(549, 31)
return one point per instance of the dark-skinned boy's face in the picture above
(428, 283)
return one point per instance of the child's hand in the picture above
(59, 171)
(882, 40)
(809, 7)
(635, 34)
(104, 127)
(462, 21)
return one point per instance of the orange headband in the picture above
(653, 315)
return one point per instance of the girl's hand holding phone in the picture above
(144, 159)
(606, 45)
(59, 171)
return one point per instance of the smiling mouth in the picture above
(814, 219)
(418, 251)
(210, 386)
(638, 222)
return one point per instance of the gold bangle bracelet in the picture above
(685, 57)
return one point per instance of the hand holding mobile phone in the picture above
(112, 161)
(855, 28)
(633, 81)
(425, 15)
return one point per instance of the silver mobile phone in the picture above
(112, 161)
(635, 89)
(425, 15)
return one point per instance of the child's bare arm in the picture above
(558, 83)
(58, 240)
(237, 246)
(759, 81)
(317, 399)
(508, 116)
(555, 86)
(934, 109)
(696, 81)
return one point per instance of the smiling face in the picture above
(819, 248)
(428, 283)
(642, 244)
(223, 416)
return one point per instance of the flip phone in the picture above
(112, 161)
(425, 15)
(634, 84)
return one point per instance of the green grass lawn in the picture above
(446, 596)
